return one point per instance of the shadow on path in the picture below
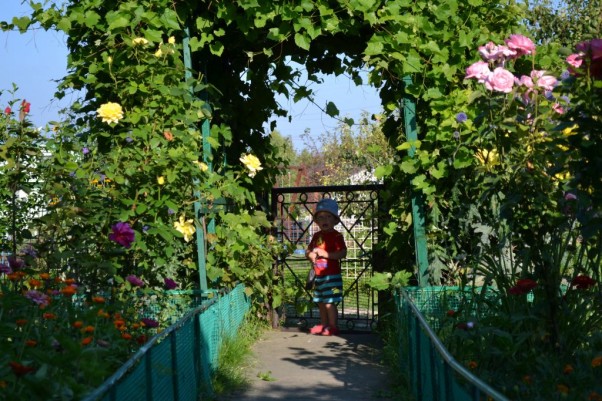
(293, 365)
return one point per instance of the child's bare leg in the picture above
(323, 314)
(332, 313)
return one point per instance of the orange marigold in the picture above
(98, 300)
(87, 340)
(31, 343)
(69, 281)
(597, 361)
(15, 276)
(119, 323)
(472, 364)
(88, 329)
(45, 276)
(77, 324)
(35, 283)
(568, 369)
(49, 316)
(104, 314)
(126, 336)
(69, 290)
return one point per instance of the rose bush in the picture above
(531, 324)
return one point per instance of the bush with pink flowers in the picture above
(531, 325)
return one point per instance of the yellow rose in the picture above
(158, 53)
(110, 113)
(202, 166)
(185, 227)
(562, 147)
(570, 130)
(171, 40)
(488, 158)
(161, 180)
(139, 41)
(562, 176)
(252, 164)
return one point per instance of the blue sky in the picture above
(34, 60)
(31, 61)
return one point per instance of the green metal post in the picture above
(200, 233)
(420, 244)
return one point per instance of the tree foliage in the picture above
(349, 154)
(565, 22)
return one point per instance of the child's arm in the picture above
(311, 255)
(322, 253)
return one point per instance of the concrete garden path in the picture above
(293, 365)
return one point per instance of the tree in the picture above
(566, 22)
(350, 154)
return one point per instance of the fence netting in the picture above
(177, 363)
(433, 373)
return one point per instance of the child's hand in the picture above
(320, 253)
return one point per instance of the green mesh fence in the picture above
(434, 374)
(177, 363)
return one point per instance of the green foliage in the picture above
(238, 252)
(388, 281)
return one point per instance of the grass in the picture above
(235, 357)
(400, 389)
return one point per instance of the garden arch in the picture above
(234, 58)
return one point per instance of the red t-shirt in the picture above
(330, 241)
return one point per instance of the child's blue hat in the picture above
(328, 205)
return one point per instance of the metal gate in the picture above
(293, 224)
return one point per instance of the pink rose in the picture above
(557, 107)
(479, 70)
(525, 81)
(546, 82)
(575, 60)
(521, 44)
(493, 52)
(500, 80)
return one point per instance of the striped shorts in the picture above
(328, 289)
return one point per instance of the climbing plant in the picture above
(241, 53)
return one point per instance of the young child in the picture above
(326, 249)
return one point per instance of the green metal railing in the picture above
(434, 374)
(177, 363)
